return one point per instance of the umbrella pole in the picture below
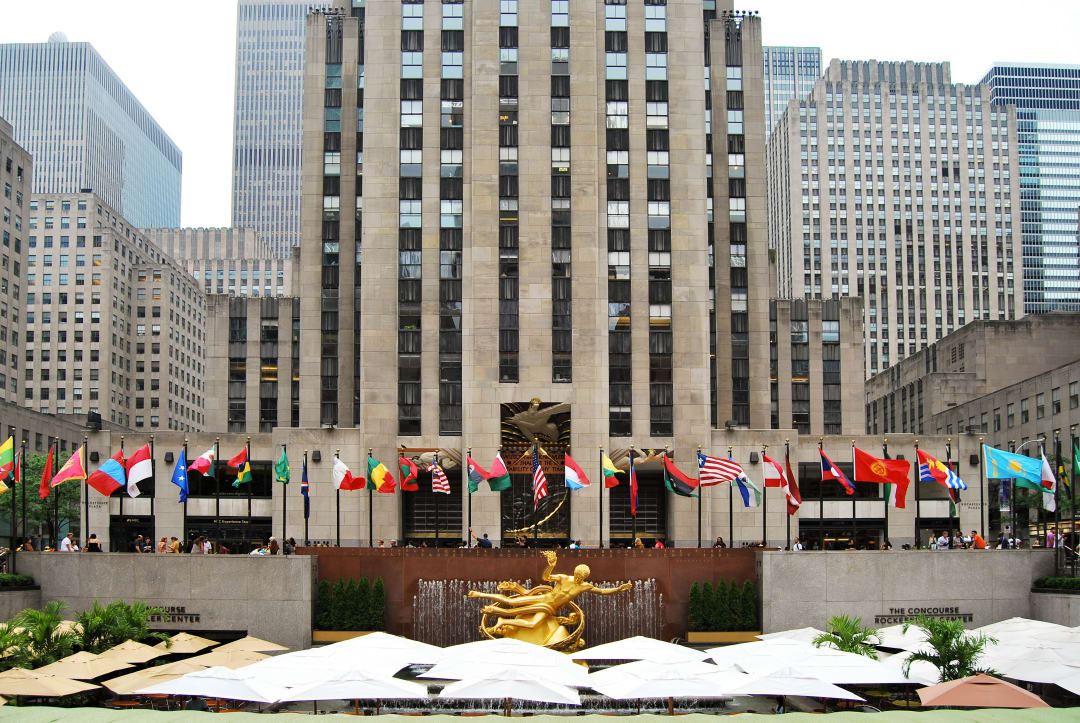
(315, 707)
(356, 706)
(670, 706)
(506, 712)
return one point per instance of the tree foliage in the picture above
(377, 619)
(100, 628)
(351, 605)
(849, 635)
(695, 609)
(952, 650)
(748, 617)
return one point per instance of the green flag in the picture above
(1076, 457)
(281, 468)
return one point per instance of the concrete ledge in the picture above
(268, 597)
(742, 636)
(336, 636)
(14, 600)
(1058, 607)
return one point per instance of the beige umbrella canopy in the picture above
(128, 684)
(252, 645)
(228, 658)
(186, 643)
(130, 651)
(980, 691)
(19, 681)
(83, 666)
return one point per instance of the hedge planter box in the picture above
(724, 637)
(336, 636)
(1056, 590)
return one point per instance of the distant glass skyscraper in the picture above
(790, 73)
(266, 122)
(1047, 100)
(85, 129)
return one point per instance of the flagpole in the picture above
(633, 502)
(153, 478)
(284, 498)
(821, 494)
(600, 521)
(85, 524)
(23, 462)
(54, 443)
(918, 497)
(217, 482)
(370, 505)
(699, 501)
(952, 498)
(1057, 485)
(1072, 485)
(306, 539)
(764, 497)
(1012, 495)
(1040, 525)
(468, 456)
(982, 492)
(731, 507)
(183, 525)
(337, 503)
(251, 482)
(435, 459)
(16, 473)
(854, 481)
(536, 502)
(885, 454)
(787, 465)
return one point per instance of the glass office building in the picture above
(1047, 100)
(86, 130)
(266, 121)
(790, 73)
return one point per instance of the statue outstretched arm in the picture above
(610, 590)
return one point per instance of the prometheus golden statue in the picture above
(532, 616)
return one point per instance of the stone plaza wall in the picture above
(402, 569)
(13, 602)
(268, 597)
(885, 588)
(1056, 607)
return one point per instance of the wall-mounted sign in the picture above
(175, 614)
(907, 614)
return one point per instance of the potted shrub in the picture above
(724, 613)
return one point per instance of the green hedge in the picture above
(351, 605)
(723, 607)
(1058, 583)
(15, 580)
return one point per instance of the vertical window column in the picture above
(358, 237)
(268, 365)
(410, 217)
(331, 226)
(451, 216)
(740, 323)
(561, 291)
(661, 346)
(713, 413)
(830, 366)
(617, 93)
(508, 191)
(237, 420)
(295, 385)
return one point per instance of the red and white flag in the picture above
(777, 476)
(439, 482)
(139, 467)
(540, 490)
(344, 478)
(204, 462)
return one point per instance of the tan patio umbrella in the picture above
(68, 626)
(980, 691)
(83, 666)
(130, 651)
(252, 645)
(228, 658)
(186, 643)
(128, 684)
(19, 681)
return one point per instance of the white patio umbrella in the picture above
(1066, 635)
(1034, 663)
(802, 635)
(895, 637)
(641, 648)
(647, 679)
(489, 657)
(1070, 682)
(790, 681)
(921, 671)
(1018, 627)
(512, 683)
(218, 682)
(826, 663)
(357, 685)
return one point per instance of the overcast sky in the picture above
(178, 58)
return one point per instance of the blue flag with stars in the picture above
(179, 475)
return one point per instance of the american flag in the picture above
(439, 483)
(539, 481)
(714, 470)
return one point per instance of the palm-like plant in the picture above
(45, 641)
(950, 648)
(849, 635)
(104, 627)
(13, 644)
